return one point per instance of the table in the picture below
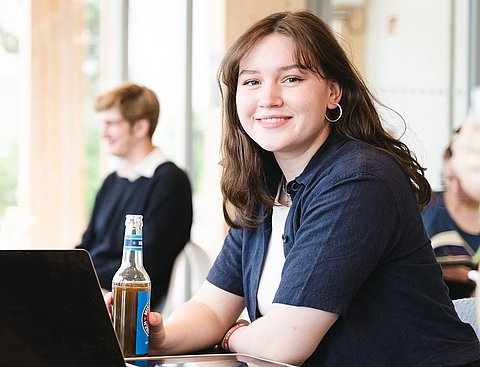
(204, 360)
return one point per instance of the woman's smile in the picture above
(272, 121)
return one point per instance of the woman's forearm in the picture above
(193, 327)
(287, 334)
(198, 324)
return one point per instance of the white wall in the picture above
(408, 65)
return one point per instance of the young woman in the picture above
(326, 248)
(452, 218)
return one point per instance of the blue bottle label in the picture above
(143, 308)
(133, 242)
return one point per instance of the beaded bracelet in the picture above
(228, 334)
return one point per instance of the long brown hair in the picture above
(247, 167)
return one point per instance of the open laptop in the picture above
(52, 311)
(52, 314)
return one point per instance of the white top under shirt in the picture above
(274, 261)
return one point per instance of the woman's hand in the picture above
(157, 333)
(108, 298)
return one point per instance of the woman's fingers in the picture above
(156, 333)
(108, 298)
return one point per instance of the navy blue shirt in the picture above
(355, 245)
(437, 220)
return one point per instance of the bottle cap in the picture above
(134, 219)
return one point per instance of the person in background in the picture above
(145, 183)
(327, 247)
(451, 221)
(466, 156)
(466, 162)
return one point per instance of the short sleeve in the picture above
(226, 272)
(346, 230)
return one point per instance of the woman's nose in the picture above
(271, 96)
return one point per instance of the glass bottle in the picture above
(131, 292)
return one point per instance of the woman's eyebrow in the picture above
(280, 69)
(247, 71)
(290, 67)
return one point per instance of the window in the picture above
(10, 113)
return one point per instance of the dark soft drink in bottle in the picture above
(131, 292)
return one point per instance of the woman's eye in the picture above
(292, 79)
(250, 82)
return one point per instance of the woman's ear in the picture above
(141, 128)
(335, 94)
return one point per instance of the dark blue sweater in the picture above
(165, 201)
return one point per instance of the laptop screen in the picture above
(52, 311)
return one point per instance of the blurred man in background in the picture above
(145, 183)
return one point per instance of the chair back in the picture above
(189, 271)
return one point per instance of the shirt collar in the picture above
(145, 168)
(331, 143)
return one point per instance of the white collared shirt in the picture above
(145, 168)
